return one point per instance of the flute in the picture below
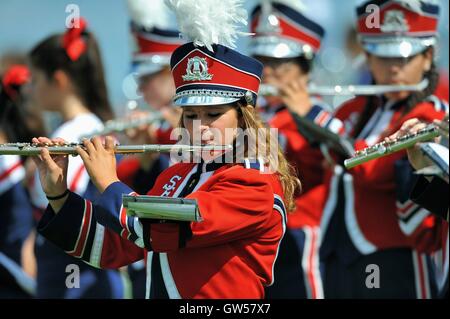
(270, 90)
(27, 149)
(386, 148)
(121, 125)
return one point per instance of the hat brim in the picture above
(203, 100)
(281, 48)
(149, 64)
(396, 47)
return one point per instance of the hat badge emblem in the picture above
(394, 21)
(197, 70)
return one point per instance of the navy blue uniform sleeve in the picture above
(432, 195)
(16, 221)
(100, 234)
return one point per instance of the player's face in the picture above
(211, 125)
(158, 89)
(279, 73)
(399, 71)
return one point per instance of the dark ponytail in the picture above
(13, 116)
(85, 69)
(417, 97)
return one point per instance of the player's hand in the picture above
(142, 134)
(293, 93)
(52, 168)
(52, 171)
(442, 125)
(100, 161)
(415, 155)
(296, 97)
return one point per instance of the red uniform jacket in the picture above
(377, 211)
(230, 254)
(307, 161)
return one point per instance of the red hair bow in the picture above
(16, 76)
(73, 42)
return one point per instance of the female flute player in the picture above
(230, 253)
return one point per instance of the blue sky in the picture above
(25, 22)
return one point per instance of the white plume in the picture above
(414, 5)
(208, 22)
(294, 4)
(151, 13)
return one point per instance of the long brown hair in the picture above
(250, 120)
(86, 72)
(290, 183)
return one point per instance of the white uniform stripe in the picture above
(315, 267)
(332, 200)
(97, 246)
(148, 276)
(423, 259)
(411, 225)
(124, 211)
(422, 280)
(306, 267)
(351, 222)
(443, 278)
(14, 176)
(247, 163)
(417, 275)
(22, 279)
(408, 213)
(139, 232)
(169, 282)
(401, 205)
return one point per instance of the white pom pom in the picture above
(208, 22)
(151, 13)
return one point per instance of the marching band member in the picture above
(16, 221)
(427, 192)
(154, 30)
(230, 253)
(156, 36)
(368, 218)
(286, 41)
(68, 78)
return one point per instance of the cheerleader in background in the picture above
(375, 241)
(231, 253)
(68, 78)
(16, 220)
